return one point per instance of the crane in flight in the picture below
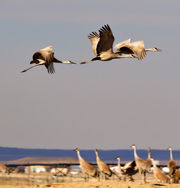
(102, 45)
(137, 48)
(46, 57)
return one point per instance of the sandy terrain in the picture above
(45, 181)
(89, 184)
(105, 184)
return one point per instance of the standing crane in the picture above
(46, 57)
(102, 45)
(87, 168)
(137, 48)
(172, 163)
(102, 166)
(159, 174)
(142, 165)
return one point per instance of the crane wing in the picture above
(94, 38)
(47, 49)
(121, 44)
(106, 40)
(129, 164)
(47, 53)
(137, 48)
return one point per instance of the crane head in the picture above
(76, 149)
(118, 158)
(156, 49)
(169, 148)
(133, 146)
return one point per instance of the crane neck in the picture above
(119, 163)
(171, 155)
(135, 153)
(149, 153)
(149, 49)
(79, 156)
(97, 156)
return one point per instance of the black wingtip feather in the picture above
(92, 35)
(105, 28)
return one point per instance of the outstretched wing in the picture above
(130, 164)
(121, 44)
(94, 38)
(106, 40)
(136, 47)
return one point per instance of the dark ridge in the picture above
(10, 153)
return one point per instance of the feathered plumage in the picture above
(46, 57)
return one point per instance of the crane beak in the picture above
(158, 50)
(133, 56)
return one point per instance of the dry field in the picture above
(20, 181)
(104, 184)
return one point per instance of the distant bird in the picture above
(159, 174)
(172, 163)
(137, 48)
(128, 170)
(102, 166)
(86, 167)
(46, 57)
(102, 45)
(142, 165)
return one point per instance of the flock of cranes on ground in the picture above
(102, 47)
(130, 168)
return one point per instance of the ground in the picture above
(105, 184)
(45, 181)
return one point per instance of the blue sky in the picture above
(107, 105)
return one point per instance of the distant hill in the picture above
(10, 154)
(43, 160)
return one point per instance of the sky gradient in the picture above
(105, 105)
